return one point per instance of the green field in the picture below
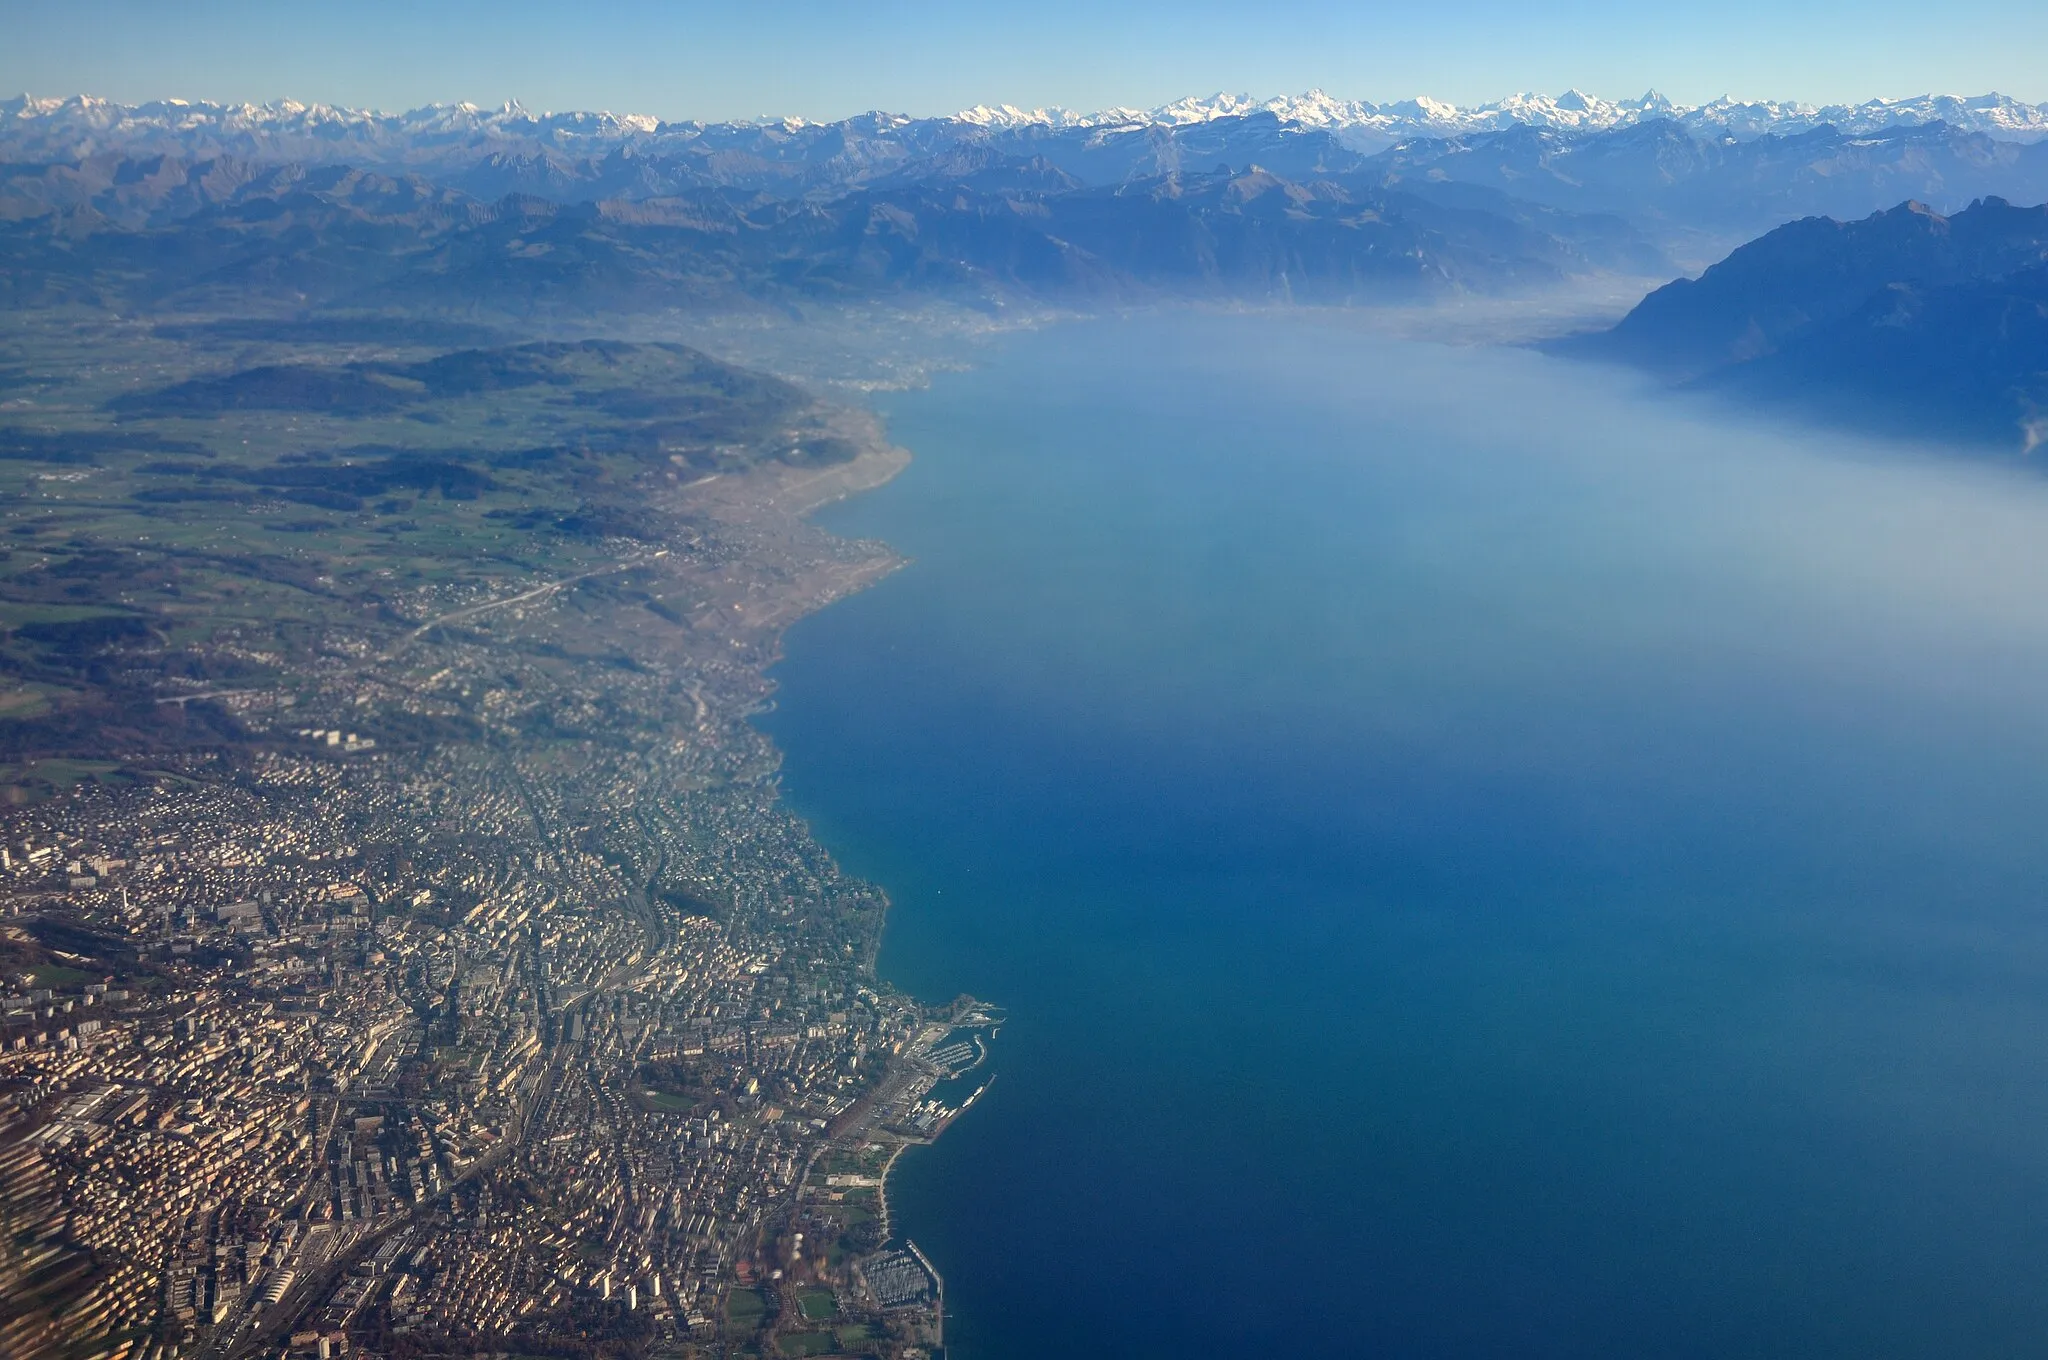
(26, 701)
(856, 1336)
(745, 1308)
(667, 1102)
(816, 1304)
(183, 508)
(32, 780)
(56, 975)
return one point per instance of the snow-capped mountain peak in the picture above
(82, 124)
(1362, 120)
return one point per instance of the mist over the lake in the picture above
(1483, 856)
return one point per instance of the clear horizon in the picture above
(825, 61)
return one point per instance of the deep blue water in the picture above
(1480, 860)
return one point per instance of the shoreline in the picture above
(871, 1116)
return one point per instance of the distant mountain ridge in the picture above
(1906, 319)
(163, 233)
(1691, 193)
(1666, 180)
(1373, 125)
(201, 210)
(82, 124)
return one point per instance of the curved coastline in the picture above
(1327, 758)
(880, 463)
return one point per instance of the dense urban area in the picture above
(403, 950)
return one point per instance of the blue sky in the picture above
(685, 59)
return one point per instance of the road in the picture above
(471, 611)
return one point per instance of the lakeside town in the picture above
(463, 987)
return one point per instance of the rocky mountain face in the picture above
(1904, 319)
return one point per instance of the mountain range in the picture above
(1930, 313)
(1373, 126)
(216, 235)
(1907, 320)
(81, 124)
(1693, 182)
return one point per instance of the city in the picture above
(473, 996)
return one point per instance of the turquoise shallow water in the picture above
(1479, 860)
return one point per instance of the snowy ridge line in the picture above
(1996, 115)
(85, 120)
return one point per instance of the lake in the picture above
(1481, 858)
